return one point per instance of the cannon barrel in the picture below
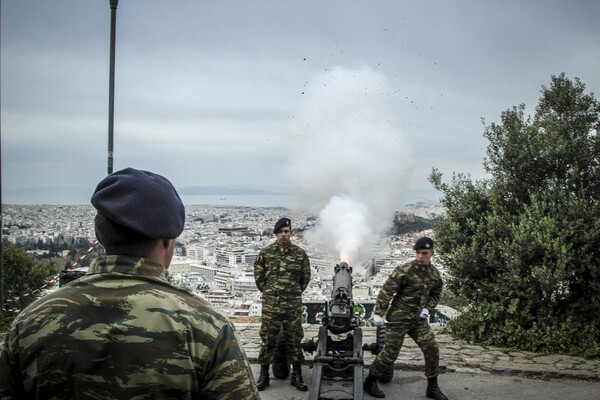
(340, 308)
(339, 359)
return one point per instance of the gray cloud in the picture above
(211, 92)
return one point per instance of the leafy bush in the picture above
(523, 247)
(23, 276)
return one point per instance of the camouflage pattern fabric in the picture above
(420, 331)
(281, 273)
(123, 332)
(271, 322)
(408, 290)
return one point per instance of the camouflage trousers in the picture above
(271, 322)
(420, 331)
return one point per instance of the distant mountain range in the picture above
(227, 190)
(418, 199)
(185, 191)
(50, 190)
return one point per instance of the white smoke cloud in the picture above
(350, 163)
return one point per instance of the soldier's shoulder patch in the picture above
(394, 275)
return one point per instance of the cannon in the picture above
(337, 371)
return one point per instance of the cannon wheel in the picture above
(281, 367)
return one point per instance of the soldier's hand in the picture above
(424, 314)
(379, 320)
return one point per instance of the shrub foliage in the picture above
(523, 246)
(23, 276)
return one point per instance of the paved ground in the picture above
(469, 372)
(407, 385)
(458, 356)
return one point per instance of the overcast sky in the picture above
(277, 93)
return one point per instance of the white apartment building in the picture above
(208, 273)
(244, 284)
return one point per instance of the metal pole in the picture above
(111, 92)
(1, 244)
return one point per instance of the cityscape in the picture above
(215, 253)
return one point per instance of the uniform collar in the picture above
(283, 247)
(127, 265)
(422, 267)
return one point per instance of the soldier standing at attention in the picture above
(123, 331)
(414, 290)
(282, 273)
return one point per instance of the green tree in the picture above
(23, 275)
(523, 247)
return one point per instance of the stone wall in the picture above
(248, 333)
(455, 355)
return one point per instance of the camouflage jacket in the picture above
(409, 288)
(282, 273)
(123, 332)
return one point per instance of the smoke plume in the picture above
(350, 164)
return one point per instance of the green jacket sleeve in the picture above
(391, 286)
(11, 384)
(259, 272)
(435, 293)
(305, 273)
(228, 375)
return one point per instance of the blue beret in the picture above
(423, 243)
(283, 222)
(142, 201)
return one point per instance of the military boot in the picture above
(263, 378)
(370, 386)
(297, 378)
(433, 390)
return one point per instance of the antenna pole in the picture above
(111, 92)
(1, 244)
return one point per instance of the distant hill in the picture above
(191, 190)
(407, 223)
(50, 190)
(224, 190)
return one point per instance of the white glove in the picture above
(424, 314)
(379, 320)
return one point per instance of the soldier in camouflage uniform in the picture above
(414, 290)
(282, 273)
(122, 331)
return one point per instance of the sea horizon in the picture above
(261, 200)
